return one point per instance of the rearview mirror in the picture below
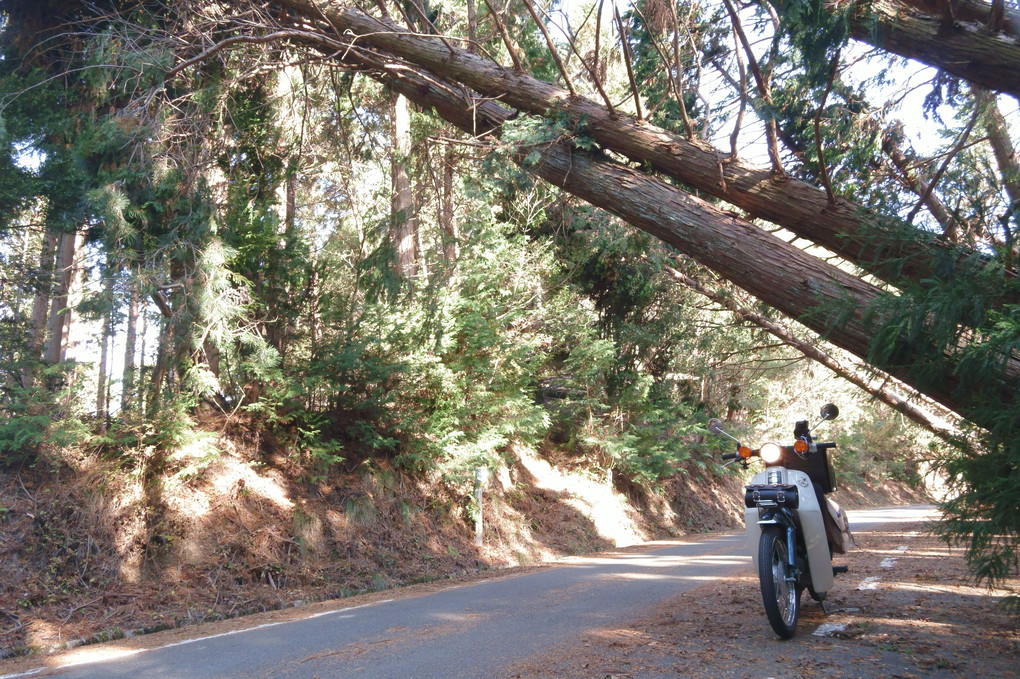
(715, 425)
(829, 411)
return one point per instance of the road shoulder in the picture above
(907, 608)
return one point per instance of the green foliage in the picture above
(818, 31)
(653, 37)
(879, 448)
(445, 380)
(981, 511)
(38, 419)
(318, 453)
(171, 427)
(21, 435)
(954, 325)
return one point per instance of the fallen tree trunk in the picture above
(856, 375)
(996, 18)
(882, 247)
(821, 296)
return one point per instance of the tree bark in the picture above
(41, 303)
(888, 250)
(404, 229)
(127, 396)
(1009, 168)
(447, 218)
(996, 19)
(979, 56)
(59, 323)
(1002, 145)
(162, 368)
(102, 409)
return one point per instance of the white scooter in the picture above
(792, 527)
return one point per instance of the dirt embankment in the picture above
(90, 552)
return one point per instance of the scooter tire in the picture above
(780, 597)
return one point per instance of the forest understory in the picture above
(92, 554)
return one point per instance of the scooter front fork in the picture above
(791, 554)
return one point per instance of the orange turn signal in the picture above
(744, 451)
(800, 445)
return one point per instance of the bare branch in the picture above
(911, 178)
(764, 88)
(552, 47)
(742, 90)
(629, 61)
(589, 67)
(945, 163)
(506, 37)
(241, 39)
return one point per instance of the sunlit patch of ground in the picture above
(595, 499)
(924, 618)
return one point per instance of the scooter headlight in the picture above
(770, 453)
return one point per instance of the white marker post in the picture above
(481, 478)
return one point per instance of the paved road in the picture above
(467, 631)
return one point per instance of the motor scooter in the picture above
(793, 528)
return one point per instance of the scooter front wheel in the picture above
(779, 594)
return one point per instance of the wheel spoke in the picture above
(779, 594)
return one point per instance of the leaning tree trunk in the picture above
(996, 17)
(877, 244)
(1009, 168)
(876, 383)
(910, 177)
(829, 301)
(1002, 146)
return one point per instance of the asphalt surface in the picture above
(474, 630)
